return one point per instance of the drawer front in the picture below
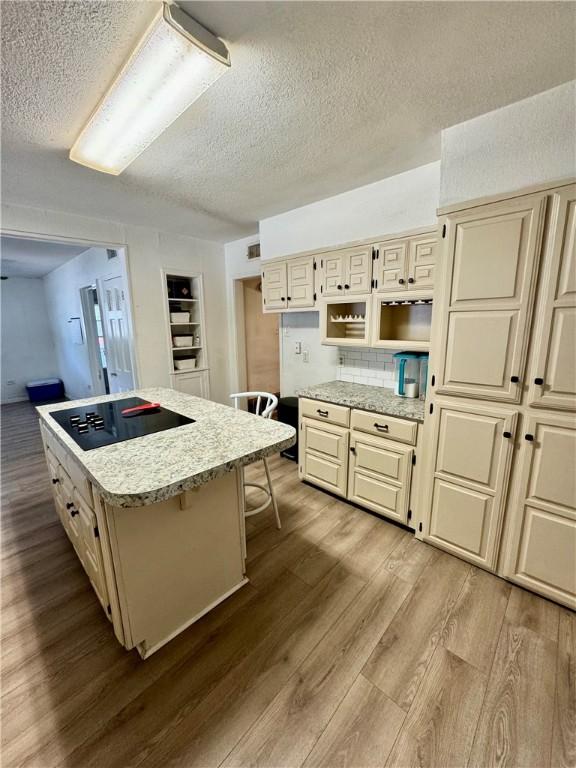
(80, 481)
(317, 409)
(330, 475)
(375, 494)
(385, 426)
(326, 440)
(57, 450)
(324, 455)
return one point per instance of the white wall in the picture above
(529, 142)
(148, 250)
(28, 350)
(322, 363)
(62, 287)
(405, 201)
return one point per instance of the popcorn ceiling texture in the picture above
(321, 98)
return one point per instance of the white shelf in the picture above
(192, 370)
(350, 322)
(194, 323)
(181, 300)
(177, 349)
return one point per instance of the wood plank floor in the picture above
(353, 645)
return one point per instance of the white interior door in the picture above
(116, 334)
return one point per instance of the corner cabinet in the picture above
(289, 284)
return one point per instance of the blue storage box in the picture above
(46, 389)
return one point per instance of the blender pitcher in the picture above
(407, 366)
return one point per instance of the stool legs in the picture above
(272, 496)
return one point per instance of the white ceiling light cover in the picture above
(174, 63)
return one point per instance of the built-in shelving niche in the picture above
(402, 324)
(346, 321)
(184, 297)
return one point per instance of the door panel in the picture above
(377, 495)
(422, 262)
(553, 372)
(359, 271)
(274, 286)
(473, 446)
(324, 455)
(541, 521)
(300, 283)
(492, 256)
(391, 266)
(332, 274)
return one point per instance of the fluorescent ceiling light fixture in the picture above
(173, 64)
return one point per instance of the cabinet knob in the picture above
(55, 480)
(539, 381)
(282, 298)
(507, 434)
(289, 298)
(530, 438)
(514, 379)
(346, 286)
(69, 505)
(410, 279)
(352, 450)
(401, 281)
(339, 287)
(74, 512)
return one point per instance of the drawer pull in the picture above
(352, 450)
(322, 413)
(69, 505)
(74, 512)
(55, 480)
(381, 427)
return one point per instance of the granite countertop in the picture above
(155, 467)
(367, 398)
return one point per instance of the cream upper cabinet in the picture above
(346, 271)
(274, 286)
(552, 381)
(300, 277)
(491, 257)
(472, 444)
(379, 475)
(323, 454)
(541, 525)
(390, 266)
(422, 262)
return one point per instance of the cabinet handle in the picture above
(401, 281)
(346, 286)
(282, 298)
(507, 434)
(339, 287)
(322, 413)
(352, 450)
(69, 505)
(539, 381)
(74, 512)
(289, 298)
(530, 438)
(55, 480)
(381, 427)
(514, 379)
(410, 279)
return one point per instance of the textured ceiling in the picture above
(33, 258)
(322, 97)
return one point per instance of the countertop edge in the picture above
(351, 403)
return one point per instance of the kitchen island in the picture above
(158, 520)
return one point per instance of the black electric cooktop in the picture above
(93, 426)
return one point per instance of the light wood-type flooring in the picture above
(353, 645)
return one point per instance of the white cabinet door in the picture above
(324, 455)
(390, 266)
(472, 445)
(333, 267)
(300, 283)
(195, 383)
(358, 276)
(541, 523)
(553, 370)
(274, 286)
(422, 262)
(492, 256)
(379, 475)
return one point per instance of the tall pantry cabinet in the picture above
(500, 488)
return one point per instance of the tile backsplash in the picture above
(366, 366)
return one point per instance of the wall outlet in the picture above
(298, 348)
(306, 356)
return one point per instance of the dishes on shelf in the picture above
(348, 318)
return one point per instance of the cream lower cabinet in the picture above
(473, 445)
(379, 475)
(540, 552)
(324, 452)
(370, 463)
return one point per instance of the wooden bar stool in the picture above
(265, 406)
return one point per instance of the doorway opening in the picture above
(95, 339)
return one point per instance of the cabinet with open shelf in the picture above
(346, 321)
(186, 330)
(402, 324)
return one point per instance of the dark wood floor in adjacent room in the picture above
(353, 645)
